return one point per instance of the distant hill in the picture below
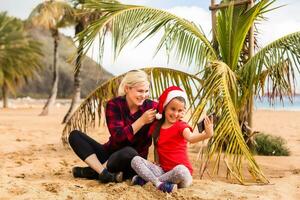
(91, 76)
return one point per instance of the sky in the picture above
(279, 22)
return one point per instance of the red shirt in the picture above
(172, 147)
(119, 120)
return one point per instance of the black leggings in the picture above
(120, 160)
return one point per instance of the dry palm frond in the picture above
(276, 62)
(52, 15)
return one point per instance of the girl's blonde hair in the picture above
(132, 78)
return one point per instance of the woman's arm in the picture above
(195, 137)
(119, 130)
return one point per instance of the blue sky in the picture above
(281, 22)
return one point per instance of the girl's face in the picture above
(174, 110)
(137, 94)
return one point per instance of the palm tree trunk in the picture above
(5, 95)
(53, 94)
(251, 54)
(76, 94)
(213, 24)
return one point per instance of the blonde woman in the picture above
(128, 117)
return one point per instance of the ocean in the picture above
(286, 105)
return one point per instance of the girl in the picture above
(128, 118)
(170, 136)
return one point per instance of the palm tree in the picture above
(52, 15)
(82, 19)
(227, 82)
(19, 55)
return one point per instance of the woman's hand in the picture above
(209, 127)
(148, 116)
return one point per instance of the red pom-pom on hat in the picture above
(167, 95)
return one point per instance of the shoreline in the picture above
(28, 102)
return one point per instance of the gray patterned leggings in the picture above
(150, 172)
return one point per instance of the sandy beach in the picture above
(35, 165)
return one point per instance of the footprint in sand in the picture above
(64, 163)
(20, 176)
(60, 172)
(51, 187)
(19, 163)
(295, 171)
(17, 190)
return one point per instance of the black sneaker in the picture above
(107, 177)
(84, 172)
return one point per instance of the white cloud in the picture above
(281, 21)
(195, 14)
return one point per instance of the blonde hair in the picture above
(132, 78)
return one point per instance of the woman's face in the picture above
(174, 110)
(137, 94)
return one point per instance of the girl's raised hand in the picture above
(209, 126)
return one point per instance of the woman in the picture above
(128, 118)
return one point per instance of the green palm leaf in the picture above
(89, 112)
(20, 56)
(233, 25)
(130, 22)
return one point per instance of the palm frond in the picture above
(89, 112)
(228, 139)
(232, 28)
(276, 63)
(20, 56)
(51, 15)
(129, 22)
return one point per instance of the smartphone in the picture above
(201, 125)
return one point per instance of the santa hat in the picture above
(167, 95)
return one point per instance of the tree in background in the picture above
(20, 56)
(227, 80)
(82, 19)
(52, 15)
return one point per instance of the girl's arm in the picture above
(195, 137)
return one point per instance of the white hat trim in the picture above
(175, 93)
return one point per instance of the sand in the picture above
(35, 165)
